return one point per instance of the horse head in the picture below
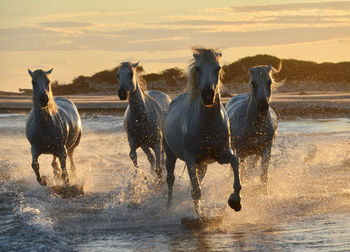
(41, 86)
(261, 80)
(127, 74)
(208, 72)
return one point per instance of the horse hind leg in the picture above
(72, 164)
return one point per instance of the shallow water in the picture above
(307, 206)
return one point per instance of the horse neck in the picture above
(41, 114)
(213, 110)
(252, 113)
(137, 101)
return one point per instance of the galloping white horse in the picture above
(253, 122)
(144, 117)
(53, 127)
(197, 128)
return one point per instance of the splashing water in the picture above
(307, 205)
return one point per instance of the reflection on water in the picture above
(307, 207)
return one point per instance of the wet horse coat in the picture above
(53, 127)
(144, 117)
(197, 128)
(253, 122)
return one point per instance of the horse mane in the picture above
(212, 56)
(51, 107)
(140, 80)
(268, 70)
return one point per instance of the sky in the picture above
(84, 37)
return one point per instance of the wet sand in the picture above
(315, 105)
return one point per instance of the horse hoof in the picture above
(43, 181)
(235, 202)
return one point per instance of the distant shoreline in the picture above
(286, 105)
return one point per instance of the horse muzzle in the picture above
(44, 100)
(263, 108)
(208, 95)
(122, 94)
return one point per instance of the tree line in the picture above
(296, 74)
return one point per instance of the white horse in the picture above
(144, 117)
(53, 127)
(197, 128)
(253, 122)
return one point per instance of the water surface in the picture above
(307, 207)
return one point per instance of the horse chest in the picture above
(143, 130)
(48, 137)
(207, 142)
(253, 141)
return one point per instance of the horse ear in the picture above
(136, 64)
(196, 56)
(30, 72)
(50, 71)
(274, 70)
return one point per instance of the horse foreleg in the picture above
(56, 169)
(62, 157)
(149, 155)
(158, 169)
(132, 153)
(265, 160)
(35, 165)
(225, 157)
(196, 189)
(170, 166)
(202, 170)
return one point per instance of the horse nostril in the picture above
(44, 99)
(122, 94)
(263, 107)
(208, 96)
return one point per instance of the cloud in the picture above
(72, 15)
(263, 25)
(283, 19)
(65, 24)
(158, 39)
(330, 5)
(9, 33)
(162, 39)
